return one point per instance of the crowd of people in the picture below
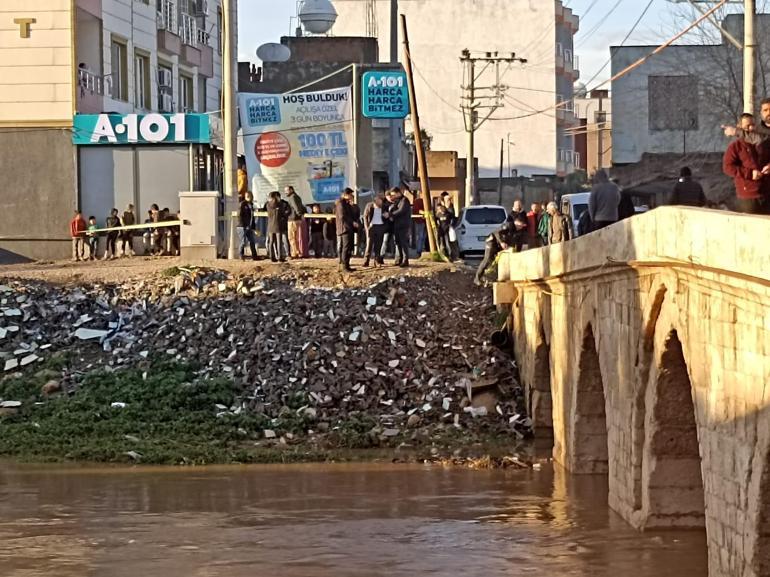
(119, 240)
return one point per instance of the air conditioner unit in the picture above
(165, 78)
(201, 8)
(166, 103)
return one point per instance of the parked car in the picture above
(476, 223)
(573, 205)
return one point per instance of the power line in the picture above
(601, 22)
(633, 28)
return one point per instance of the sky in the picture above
(263, 21)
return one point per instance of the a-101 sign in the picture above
(140, 129)
(384, 95)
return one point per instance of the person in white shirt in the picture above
(374, 223)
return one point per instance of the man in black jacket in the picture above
(346, 228)
(518, 217)
(499, 240)
(247, 225)
(687, 192)
(401, 214)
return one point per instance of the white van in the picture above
(573, 205)
(475, 224)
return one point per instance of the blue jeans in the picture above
(419, 236)
(248, 236)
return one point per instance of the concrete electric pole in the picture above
(476, 98)
(229, 90)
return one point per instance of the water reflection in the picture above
(324, 520)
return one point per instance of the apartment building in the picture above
(66, 63)
(537, 98)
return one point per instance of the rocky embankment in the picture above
(202, 366)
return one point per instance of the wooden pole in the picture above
(430, 223)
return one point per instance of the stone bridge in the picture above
(645, 351)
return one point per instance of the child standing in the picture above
(77, 232)
(317, 233)
(93, 238)
(127, 236)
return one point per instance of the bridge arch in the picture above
(590, 453)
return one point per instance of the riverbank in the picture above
(251, 364)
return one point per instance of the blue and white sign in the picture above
(91, 129)
(263, 110)
(385, 94)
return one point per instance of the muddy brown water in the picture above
(324, 521)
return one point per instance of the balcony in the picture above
(566, 161)
(559, 58)
(90, 92)
(575, 67)
(168, 31)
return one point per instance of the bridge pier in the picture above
(658, 363)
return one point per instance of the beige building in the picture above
(593, 134)
(60, 59)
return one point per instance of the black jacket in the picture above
(297, 208)
(687, 192)
(284, 212)
(247, 214)
(274, 216)
(506, 234)
(401, 213)
(317, 225)
(343, 213)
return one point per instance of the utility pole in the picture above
(430, 222)
(476, 98)
(394, 173)
(229, 88)
(749, 56)
(500, 179)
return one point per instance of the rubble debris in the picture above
(410, 353)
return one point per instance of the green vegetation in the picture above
(170, 417)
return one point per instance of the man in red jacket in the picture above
(742, 163)
(78, 233)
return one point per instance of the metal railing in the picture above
(90, 82)
(203, 37)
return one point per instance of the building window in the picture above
(165, 88)
(202, 94)
(219, 29)
(186, 103)
(142, 81)
(119, 74)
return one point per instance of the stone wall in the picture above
(657, 334)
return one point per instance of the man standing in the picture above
(78, 228)
(559, 227)
(127, 236)
(519, 215)
(247, 224)
(401, 213)
(741, 162)
(317, 232)
(296, 220)
(418, 214)
(533, 220)
(687, 192)
(603, 201)
(275, 220)
(495, 242)
(346, 229)
(374, 224)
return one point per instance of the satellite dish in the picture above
(317, 16)
(273, 52)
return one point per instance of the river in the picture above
(323, 521)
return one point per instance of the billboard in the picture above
(302, 139)
(94, 129)
(384, 94)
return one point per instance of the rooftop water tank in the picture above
(317, 16)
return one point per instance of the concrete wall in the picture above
(36, 74)
(648, 344)
(37, 194)
(438, 32)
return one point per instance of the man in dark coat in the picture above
(741, 162)
(687, 192)
(501, 239)
(246, 217)
(519, 215)
(346, 229)
(276, 216)
(401, 214)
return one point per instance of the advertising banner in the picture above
(384, 95)
(302, 140)
(91, 129)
